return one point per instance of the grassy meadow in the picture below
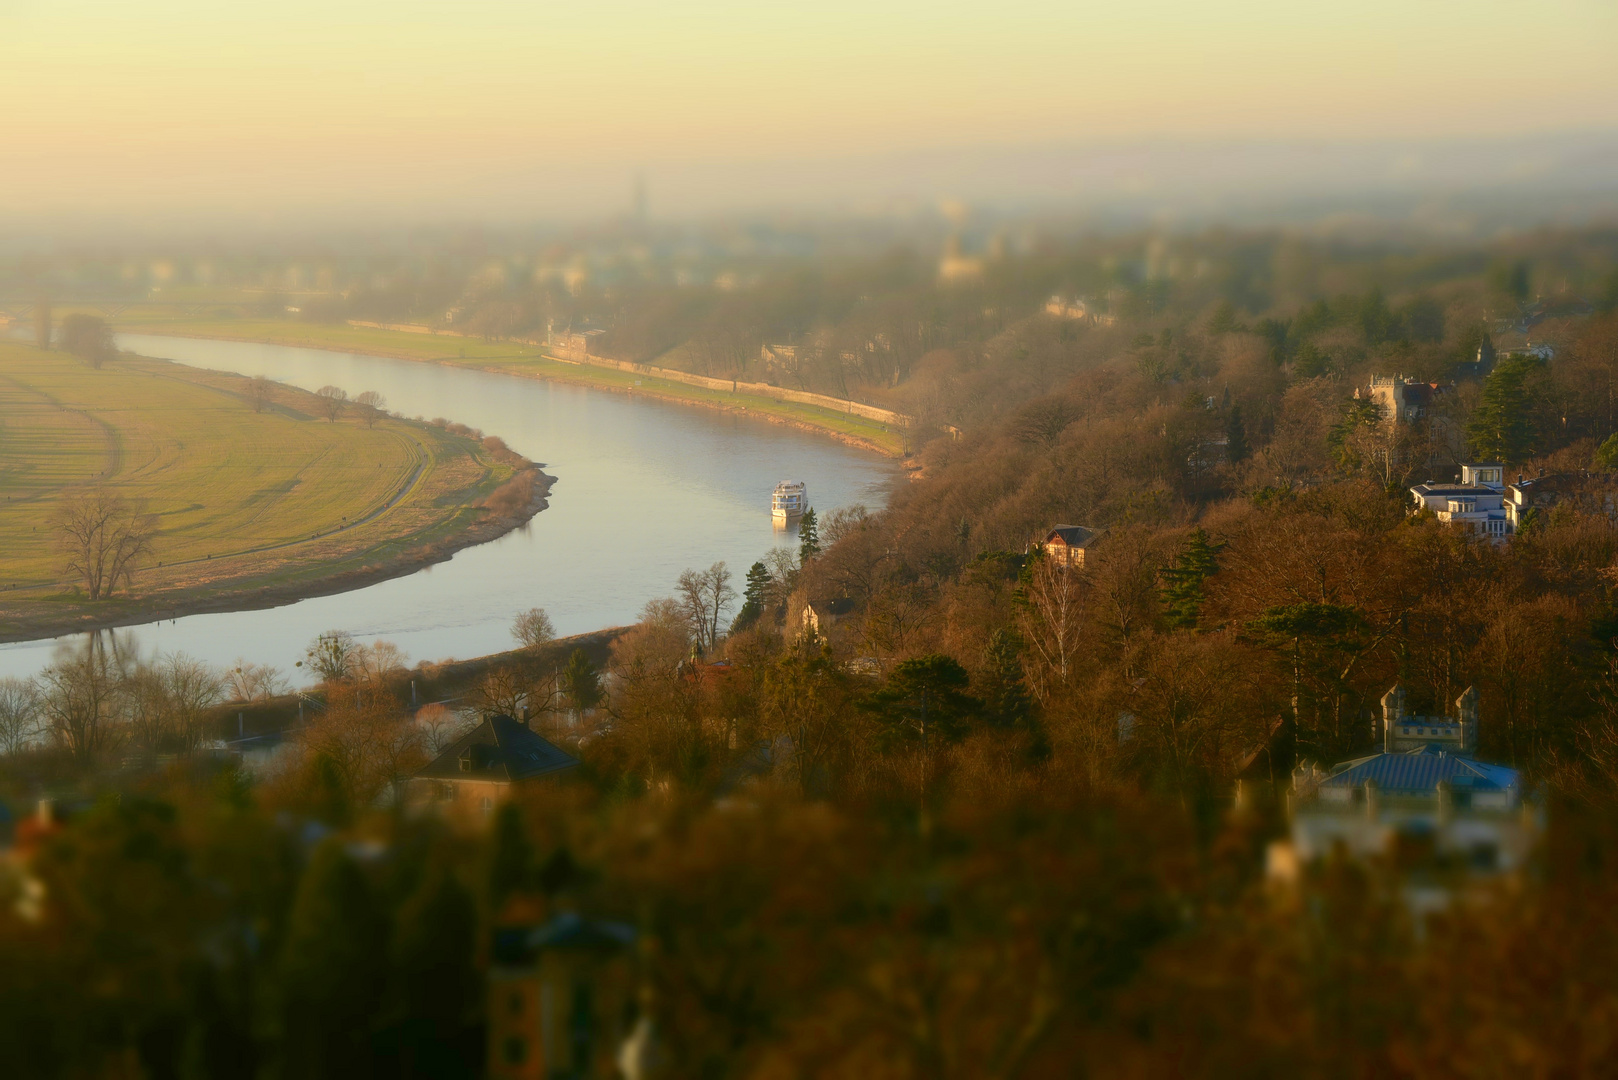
(506, 356)
(276, 498)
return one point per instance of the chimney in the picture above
(43, 813)
(1466, 707)
(1393, 708)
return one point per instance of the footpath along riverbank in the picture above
(533, 360)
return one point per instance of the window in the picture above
(488, 804)
(514, 1003)
(515, 1050)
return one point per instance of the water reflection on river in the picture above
(646, 489)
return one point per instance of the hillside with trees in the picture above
(918, 801)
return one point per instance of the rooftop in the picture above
(500, 749)
(1421, 771)
(1071, 535)
(569, 930)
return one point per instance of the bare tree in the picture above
(440, 726)
(79, 698)
(372, 407)
(144, 712)
(258, 392)
(501, 692)
(705, 596)
(533, 628)
(333, 400)
(101, 538)
(190, 688)
(656, 646)
(253, 682)
(19, 714)
(1053, 621)
(330, 657)
(374, 664)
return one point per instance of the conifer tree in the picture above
(1182, 589)
(511, 859)
(582, 680)
(333, 966)
(1006, 701)
(1607, 453)
(925, 700)
(434, 952)
(1236, 448)
(754, 596)
(808, 537)
(1502, 426)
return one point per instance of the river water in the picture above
(645, 489)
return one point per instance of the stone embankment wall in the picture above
(780, 393)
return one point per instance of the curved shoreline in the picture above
(245, 596)
(671, 395)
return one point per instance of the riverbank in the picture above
(528, 361)
(250, 595)
(253, 505)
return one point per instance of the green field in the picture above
(242, 499)
(511, 357)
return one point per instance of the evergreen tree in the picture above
(436, 982)
(1357, 413)
(1502, 427)
(1183, 582)
(1236, 448)
(925, 700)
(511, 859)
(333, 965)
(581, 680)
(1310, 362)
(808, 537)
(1006, 701)
(1607, 453)
(754, 596)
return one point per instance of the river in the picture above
(645, 489)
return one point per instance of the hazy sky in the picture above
(454, 108)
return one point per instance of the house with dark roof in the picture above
(1425, 788)
(1066, 544)
(480, 770)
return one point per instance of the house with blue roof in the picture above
(1425, 787)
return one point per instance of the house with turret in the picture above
(1424, 790)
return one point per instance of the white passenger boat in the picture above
(790, 500)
